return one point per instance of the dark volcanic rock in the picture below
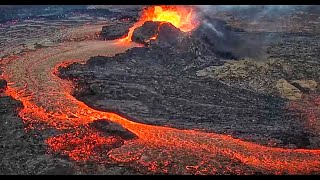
(158, 85)
(59, 169)
(166, 34)
(169, 35)
(21, 152)
(112, 128)
(115, 31)
(3, 84)
(226, 42)
(9, 105)
(25, 152)
(130, 13)
(305, 85)
(143, 33)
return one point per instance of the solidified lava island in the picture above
(119, 90)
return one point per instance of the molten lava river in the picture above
(47, 99)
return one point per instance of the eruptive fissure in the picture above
(47, 98)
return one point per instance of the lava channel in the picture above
(47, 99)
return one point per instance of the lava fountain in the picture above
(182, 17)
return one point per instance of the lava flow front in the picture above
(47, 99)
(181, 17)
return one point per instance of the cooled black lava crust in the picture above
(158, 85)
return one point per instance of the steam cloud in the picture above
(242, 46)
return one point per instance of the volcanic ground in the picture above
(232, 96)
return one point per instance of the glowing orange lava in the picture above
(310, 107)
(181, 17)
(82, 144)
(47, 99)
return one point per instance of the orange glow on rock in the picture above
(83, 144)
(47, 99)
(309, 106)
(153, 37)
(181, 17)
